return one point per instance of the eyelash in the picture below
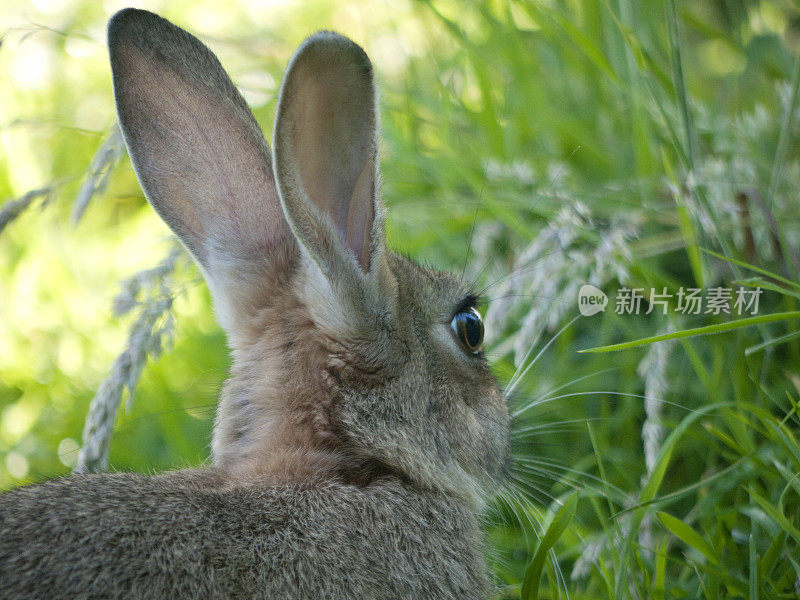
(469, 301)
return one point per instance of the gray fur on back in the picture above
(195, 534)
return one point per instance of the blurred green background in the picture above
(534, 145)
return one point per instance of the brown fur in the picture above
(356, 438)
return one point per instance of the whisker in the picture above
(537, 296)
(554, 476)
(515, 379)
(550, 426)
(577, 380)
(552, 558)
(515, 501)
(539, 402)
(520, 270)
(471, 233)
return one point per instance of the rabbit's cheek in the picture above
(351, 370)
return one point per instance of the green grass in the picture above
(546, 144)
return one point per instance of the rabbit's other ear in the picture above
(326, 155)
(199, 155)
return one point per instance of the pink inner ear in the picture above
(334, 144)
(361, 214)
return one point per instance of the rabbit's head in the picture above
(347, 357)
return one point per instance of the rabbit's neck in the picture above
(274, 416)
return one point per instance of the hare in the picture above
(360, 430)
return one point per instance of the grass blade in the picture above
(750, 267)
(533, 574)
(772, 342)
(688, 536)
(707, 330)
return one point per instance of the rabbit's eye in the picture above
(468, 327)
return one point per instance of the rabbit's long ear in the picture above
(198, 153)
(326, 160)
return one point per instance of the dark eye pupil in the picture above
(468, 327)
(472, 329)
